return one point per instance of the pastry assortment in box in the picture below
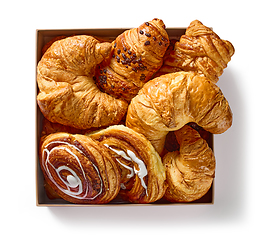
(132, 118)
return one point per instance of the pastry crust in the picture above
(50, 127)
(79, 169)
(67, 92)
(191, 170)
(137, 54)
(200, 50)
(168, 102)
(142, 171)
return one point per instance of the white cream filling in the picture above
(132, 172)
(141, 173)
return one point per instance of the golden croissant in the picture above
(200, 50)
(67, 92)
(79, 169)
(191, 170)
(142, 172)
(170, 101)
(50, 127)
(137, 55)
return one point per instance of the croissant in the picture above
(190, 171)
(50, 127)
(79, 169)
(137, 54)
(49, 43)
(200, 50)
(170, 101)
(142, 172)
(67, 92)
(172, 145)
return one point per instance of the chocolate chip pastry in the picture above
(137, 55)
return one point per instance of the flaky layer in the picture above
(143, 174)
(79, 169)
(67, 93)
(200, 50)
(137, 55)
(168, 102)
(191, 170)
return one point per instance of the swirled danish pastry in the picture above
(79, 169)
(142, 171)
(191, 170)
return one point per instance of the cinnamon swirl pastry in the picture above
(143, 174)
(79, 169)
(191, 170)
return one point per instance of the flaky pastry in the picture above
(142, 172)
(137, 54)
(67, 92)
(79, 169)
(170, 101)
(201, 50)
(191, 170)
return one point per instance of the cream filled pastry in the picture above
(142, 172)
(79, 169)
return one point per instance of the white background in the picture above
(237, 209)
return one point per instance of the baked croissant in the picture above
(79, 169)
(172, 145)
(170, 101)
(200, 50)
(137, 55)
(142, 172)
(191, 170)
(68, 94)
(50, 127)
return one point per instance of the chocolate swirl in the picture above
(79, 169)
